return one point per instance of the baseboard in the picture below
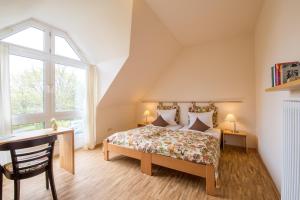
(240, 147)
(98, 145)
(273, 184)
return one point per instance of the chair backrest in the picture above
(31, 156)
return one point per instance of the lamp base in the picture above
(234, 128)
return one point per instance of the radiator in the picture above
(291, 151)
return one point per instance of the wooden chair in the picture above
(27, 163)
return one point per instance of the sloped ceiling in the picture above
(193, 22)
(100, 28)
(152, 49)
(108, 31)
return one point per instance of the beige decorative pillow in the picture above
(160, 106)
(210, 107)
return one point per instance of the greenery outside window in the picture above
(27, 127)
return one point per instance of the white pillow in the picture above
(168, 115)
(205, 117)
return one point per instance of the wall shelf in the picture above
(293, 85)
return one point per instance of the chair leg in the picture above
(17, 189)
(52, 184)
(47, 180)
(1, 185)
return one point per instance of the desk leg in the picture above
(66, 151)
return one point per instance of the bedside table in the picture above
(141, 125)
(240, 134)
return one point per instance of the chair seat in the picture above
(8, 168)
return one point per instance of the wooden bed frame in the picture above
(147, 159)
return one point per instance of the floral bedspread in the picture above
(191, 146)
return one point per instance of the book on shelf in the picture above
(290, 70)
(281, 72)
(273, 75)
(277, 73)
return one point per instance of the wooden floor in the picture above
(242, 177)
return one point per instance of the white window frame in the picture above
(49, 59)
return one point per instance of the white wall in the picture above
(111, 119)
(277, 39)
(108, 71)
(217, 70)
(152, 48)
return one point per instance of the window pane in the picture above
(30, 37)
(70, 88)
(26, 85)
(27, 127)
(76, 124)
(63, 48)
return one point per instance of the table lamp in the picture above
(231, 118)
(146, 114)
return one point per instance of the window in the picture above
(47, 78)
(27, 127)
(63, 48)
(30, 37)
(27, 85)
(79, 127)
(76, 124)
(69, 88)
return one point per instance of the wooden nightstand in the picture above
(240, 134)
(141, 125)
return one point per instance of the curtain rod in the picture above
(211, 101)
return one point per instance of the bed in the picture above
(192, 152)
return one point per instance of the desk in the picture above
(66, 144)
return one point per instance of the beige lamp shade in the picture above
(146, 113)
(230, 118)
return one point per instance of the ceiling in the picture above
(100, 28)
(194, 22)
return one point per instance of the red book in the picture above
(277, 75)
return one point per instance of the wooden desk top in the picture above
(240, 133)
(33, 135)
